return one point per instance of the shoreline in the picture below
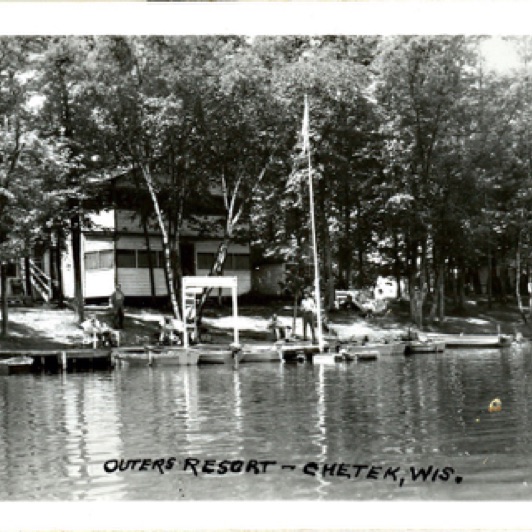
(47, 328)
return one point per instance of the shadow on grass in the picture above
(23, 336)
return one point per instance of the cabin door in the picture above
(188, 265)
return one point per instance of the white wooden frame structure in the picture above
(194, 285)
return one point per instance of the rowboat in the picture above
(374, 351)
(363, 356)
(172, 356)
(130, 356)
(261, 352)
(429, 346)
(327, 358)
(212, 354)
(299, 352)
(156, 356)
(15, 365)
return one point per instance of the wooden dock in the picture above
(57, 360)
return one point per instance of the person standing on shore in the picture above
(308, 311)
(117, 302)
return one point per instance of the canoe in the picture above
(16, 365)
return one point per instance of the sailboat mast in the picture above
(313, 227)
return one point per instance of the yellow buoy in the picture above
(495, 405)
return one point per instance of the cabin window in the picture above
(106, 259)
(126, 258)
(143, 259)
(99, 260)
(233, 261)
(91, 261)
(205, 261)
(240, 262)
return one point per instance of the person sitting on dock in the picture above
(308, 312)
(171, 332)
(280, 331)
(99, 333)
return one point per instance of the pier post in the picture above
(63, 361)
(234, 295)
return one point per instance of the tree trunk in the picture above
(3, 288)
(348, 254)
(518, 278)
(435, 295)
(150, 261)
(51, 268)
(490, 275)
(529, 286)
(27, 274)
(167, 265)
(503, 279)
(412, 282)
(441, 291)
(461, 288)
(397, 265)
(75, 226)
(294, 318)
(178, 271)
(59, 272)
(422, 294)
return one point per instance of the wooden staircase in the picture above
(41, 283)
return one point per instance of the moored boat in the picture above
(135, 356)
(355, 355)
(173, 356)
(212, 354)
(299, 351)
(352, 351)
(156, 356)
(261, 352)
(327, 358)
(428, 346)
(15, 365)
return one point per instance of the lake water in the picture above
(371, 425)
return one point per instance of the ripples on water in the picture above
(56, 431)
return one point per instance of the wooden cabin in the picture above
(117, 248)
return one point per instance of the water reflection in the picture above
(57, 431)
(321, 430)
